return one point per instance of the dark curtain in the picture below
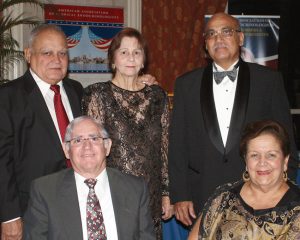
(173, 30)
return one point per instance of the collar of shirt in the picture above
(100, 188)
(220, 69)
(102, 178)
(43, 86)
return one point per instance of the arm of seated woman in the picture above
(193, 235)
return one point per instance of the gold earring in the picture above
(246, 176)
(285, 177)
(113, 66)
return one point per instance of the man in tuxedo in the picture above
(30, 135)
(211, 108)
(59, 205)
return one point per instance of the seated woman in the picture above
(265, 204)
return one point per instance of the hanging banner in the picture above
(89, 32)
(261, 39)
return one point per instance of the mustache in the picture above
(56, 66)
(220, 45)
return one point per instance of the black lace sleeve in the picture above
(164, 148)
(92, 104)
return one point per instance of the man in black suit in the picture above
(211, 108)
(30, 139)
(59, 203)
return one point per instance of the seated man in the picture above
(89, 201)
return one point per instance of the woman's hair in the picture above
(116, 43)
(255, 129)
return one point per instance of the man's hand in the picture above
(184, 211)
(167, 208)
(12, 230)
(147, 79)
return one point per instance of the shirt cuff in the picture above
(12, 220)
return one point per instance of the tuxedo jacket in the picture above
(29, 143)
(198, 159)
(53, 211)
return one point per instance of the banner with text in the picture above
(89, 32)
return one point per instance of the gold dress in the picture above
(137, 122)
(227, 216)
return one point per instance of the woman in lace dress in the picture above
(265, 205)
(137, 119)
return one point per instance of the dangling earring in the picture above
(246, 176)
(285, 177)
(113, 66)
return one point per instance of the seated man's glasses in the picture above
(225, 33)
(78, 141)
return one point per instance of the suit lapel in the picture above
(39, 106)
(68, 206)
(73, 98)
(121, 209)
(240, 106)
(209, 110)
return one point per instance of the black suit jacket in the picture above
(29, 143)
(53, 211)
(198, 160)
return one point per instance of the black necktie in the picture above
(219, 76)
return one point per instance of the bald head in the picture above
(223, 16)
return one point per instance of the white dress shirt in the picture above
(224, 94)
(102, 191)
(48, 95)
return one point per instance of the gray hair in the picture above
(41, 28)
(69, 130)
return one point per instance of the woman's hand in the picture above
(167, 208)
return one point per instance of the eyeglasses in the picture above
(225, 33)
(78, 141)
